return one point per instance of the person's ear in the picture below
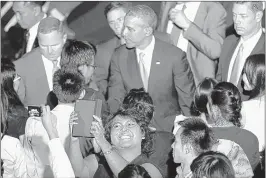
(82, 94)
(188, 148)
(148, 31)
(142, 133)
(258, 16)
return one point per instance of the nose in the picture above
(124, 32)
(117, 25)
(50, 49)
(172, 146)
(237, 19)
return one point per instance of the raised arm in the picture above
(59, 161)
(209, 40)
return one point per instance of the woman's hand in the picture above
(49, 122)
(97, 130)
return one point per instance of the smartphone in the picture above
(86, 109)
(34, 111)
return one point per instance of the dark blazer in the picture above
(205, 35)
(102, 61)
(228, 49)
(33, 88)
(171, 84)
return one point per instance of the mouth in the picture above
(125, 137)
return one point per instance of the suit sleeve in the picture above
(184, 83)
(22, 88)
(102, 70)
(116, 90)
(209, 43)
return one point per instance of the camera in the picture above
(34, 111)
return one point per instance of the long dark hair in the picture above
(199, 105)
(255, 71)
(226, 97)
(4, 109)
(8, 74)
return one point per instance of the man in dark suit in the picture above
(36, 68)
(250, 40)
(29, 15)
(114, 13)
(148, 62)
(193, 28)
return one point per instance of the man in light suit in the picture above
(36, 68)
(250, 39)
(197, 28)
(159, 67)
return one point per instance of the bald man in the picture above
(36, 68)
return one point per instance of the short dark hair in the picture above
(76, 53)
(201, 94)
(255, 71)
(226, 97)
(115, 5)
(141, 120)
(134, 171)
(8, 73)
(141, 97)
(145, 13)
(255, 6)
(197, 134)
(68, 85)
(212, 165)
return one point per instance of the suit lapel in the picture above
(231, 49)
(260, 46)
(155, 62)
(40, 69)
(133, 68)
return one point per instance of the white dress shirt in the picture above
(190, 12)
(32, 35)
(48, 65)
(148, 51)
(253, 116)
(36, 138)
(248, 46)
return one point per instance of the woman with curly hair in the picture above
(125, 139)
(224, 107)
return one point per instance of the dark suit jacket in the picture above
(33, 88)
(171, 84)
(102, 61)
(229, 46)
(205, 35)
(103, 57)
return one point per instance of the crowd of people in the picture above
(179, 98)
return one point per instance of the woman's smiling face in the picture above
(125, 132)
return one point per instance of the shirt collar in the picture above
(148, 49)
(58, 59)
(254, 39)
